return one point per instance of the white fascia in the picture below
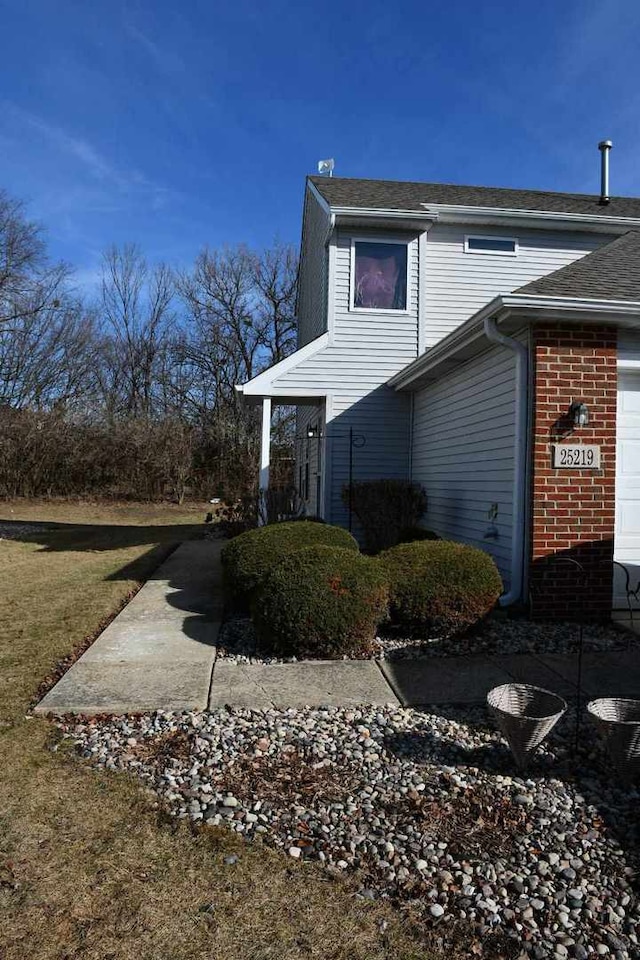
(618, 309)
(458, 213)
(321, 200)
(381, 212)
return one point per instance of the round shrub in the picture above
(248, 557)
(320, 602)
(436, 586)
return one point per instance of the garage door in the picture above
(627, 537)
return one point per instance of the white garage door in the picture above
(627, 537)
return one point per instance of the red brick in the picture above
(573, 511)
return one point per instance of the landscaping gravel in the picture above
(498, 635)
(426, 809)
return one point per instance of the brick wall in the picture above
(573, 510)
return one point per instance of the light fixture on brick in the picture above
(579, 413)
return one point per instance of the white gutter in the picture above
(620, 313)
(519, 511)
(448, 347)
(456, 213)
(452, 213)
(523, 301)
(382, 212)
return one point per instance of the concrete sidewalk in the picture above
(160, 654)
(468, 679)
(309, 683)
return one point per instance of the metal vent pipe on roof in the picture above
(604, 147)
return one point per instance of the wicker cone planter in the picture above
(618, 721)
(525, 715)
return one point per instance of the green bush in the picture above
(439, 587)
(385, 508)
(320, 602)
(248, 557)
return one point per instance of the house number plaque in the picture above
(577, 456)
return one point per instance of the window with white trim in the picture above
(379, 275)
(503, 246)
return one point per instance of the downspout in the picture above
(518, 533)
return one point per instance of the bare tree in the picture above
(240, 319)
(275, 273)
(29, 283)
(135, 397)
(46, 358)
(136, 308)
(240, 316)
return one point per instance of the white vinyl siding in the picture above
(366, 348)
(457, 284)
(364, 351)
(312, 284)
(463, 453)
(382, 420)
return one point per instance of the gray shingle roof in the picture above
(404, 195)
(610, 273)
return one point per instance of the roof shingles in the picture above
(611, 272)
(405, 195)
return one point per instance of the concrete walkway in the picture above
(160, 654)
(468, 679)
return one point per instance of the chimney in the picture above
(604, 147)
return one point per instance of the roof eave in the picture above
(511, 310)
(450, 213)
(457, 213)
(264, 384)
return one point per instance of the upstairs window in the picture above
(379, 275)
(506, 246)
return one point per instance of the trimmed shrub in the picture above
(321, 602)
(439, 587)
(385, 508)
(247, 558)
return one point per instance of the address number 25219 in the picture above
(585, 455)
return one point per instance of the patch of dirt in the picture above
(161, 751)
(285, 778)
(472, 822)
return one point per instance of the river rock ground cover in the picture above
(496, 635)
(425, 808)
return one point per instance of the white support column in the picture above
(265, 451)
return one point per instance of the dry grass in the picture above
(88, 869)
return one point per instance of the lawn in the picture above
(88, 867)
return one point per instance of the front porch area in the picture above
(297, 487)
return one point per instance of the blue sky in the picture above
(179, 124)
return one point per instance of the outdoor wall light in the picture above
(579, 413)
(313, 432)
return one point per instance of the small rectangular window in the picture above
(379, 275)
(503, 245)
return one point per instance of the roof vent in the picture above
(604, 147)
